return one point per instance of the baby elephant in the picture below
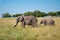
(47, 21)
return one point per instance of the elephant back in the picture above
(50, 21)
(27, 19)
(30, 19)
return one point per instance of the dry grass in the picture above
(8, 32)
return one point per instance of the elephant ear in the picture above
(21, 19)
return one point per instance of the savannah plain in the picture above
(8, 32)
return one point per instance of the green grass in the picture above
(8, 32)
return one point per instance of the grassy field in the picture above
(8, 32)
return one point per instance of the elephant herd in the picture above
(32, 20)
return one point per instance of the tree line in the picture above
(35, 13)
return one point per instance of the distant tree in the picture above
(58, 13)
(6, 15)
(52, 13)
(16, 15)
(28, 13)
(37, 13)
(43, 14)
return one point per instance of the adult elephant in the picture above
(27, 20)
(47, 21)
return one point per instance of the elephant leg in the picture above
(45, 24)
(34, 25)
(16, 24)
(53, 24)
(23, 24)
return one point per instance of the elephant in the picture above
(26, 20)
(47, 21)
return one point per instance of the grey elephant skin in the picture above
(27, 20)
(47, 21)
